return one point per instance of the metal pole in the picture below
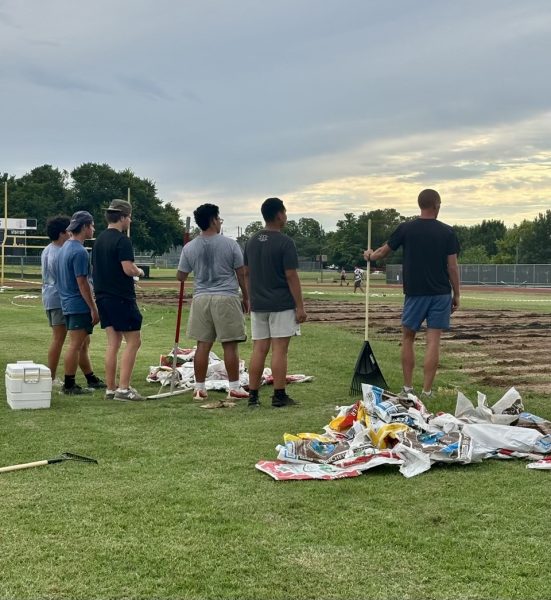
(5, 227)
(128, 198)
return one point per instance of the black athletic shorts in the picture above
(119, 313)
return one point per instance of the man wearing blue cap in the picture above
(77, 302)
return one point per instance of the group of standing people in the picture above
(74, 305)
(266, 273)
(229, 283)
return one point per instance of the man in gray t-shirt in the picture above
(217, 311)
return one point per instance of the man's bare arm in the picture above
(453, 274)
(296, 291)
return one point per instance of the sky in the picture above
(335, 106)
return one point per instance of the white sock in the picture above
(235, 385)
(200, 386)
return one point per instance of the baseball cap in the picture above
(122, 206)
(81, 217)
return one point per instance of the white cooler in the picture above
(28, 385)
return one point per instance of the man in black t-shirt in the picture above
(277, 309)
(113, 275)
(431, 284)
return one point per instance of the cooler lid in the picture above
(27, 370)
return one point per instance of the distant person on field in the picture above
(77, 303)
(113, 272)
(358, 278)
(343, 275)
(431, 283)
(277, 308)
(56, 228)
(217, 311)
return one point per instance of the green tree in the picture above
(475, 255)
(487, 234)
(511, 249)
(39, 194)
(155, 226)
(536, 244)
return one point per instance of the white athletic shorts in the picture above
(279, 324)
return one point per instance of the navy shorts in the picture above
(119, 313)
(79, 321)
(436, 310)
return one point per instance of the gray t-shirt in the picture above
(213, 260)
(48, 259)
(268, 255)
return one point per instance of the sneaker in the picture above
(57, 383)
(76, 390)
(96, 384)
(200, 395)
(253, 402)
(130, 395)
(279, 401)
(405, 391)
(426, 394)
(238, 394)
(109, 394)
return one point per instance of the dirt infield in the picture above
(495, 347)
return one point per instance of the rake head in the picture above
(71, 456)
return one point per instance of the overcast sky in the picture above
(333, 105)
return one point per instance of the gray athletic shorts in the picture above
(279, 324)
(55, 317)
(216, 317)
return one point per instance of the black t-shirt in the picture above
(268, 254)
(427, 243)
(112, 247)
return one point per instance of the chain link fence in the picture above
(511, 275)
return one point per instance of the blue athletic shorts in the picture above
(119, 313)
(436, 310)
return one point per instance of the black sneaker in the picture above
(96, 384)
(76, 390)
(253, 402)
(279, 401)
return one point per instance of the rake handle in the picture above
(177, 337)
(37, 463)
(368, 276)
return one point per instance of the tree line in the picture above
(157, 226)
(46, 191)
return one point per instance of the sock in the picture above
(408, 388)
(253, 394)
(121, 390)
(280, 393)
(235, 385)
(70, 381)
(200, 385)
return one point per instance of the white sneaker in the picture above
(57, 383)
(110, 394)
(129, 395)
(200, 395)
(238, 394)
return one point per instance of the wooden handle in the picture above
(367, 277)
(38, 463)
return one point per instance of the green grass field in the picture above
(176, 509)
